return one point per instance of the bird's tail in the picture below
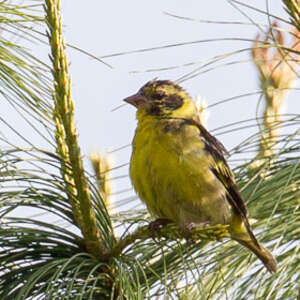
(261, 252)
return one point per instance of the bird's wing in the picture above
(223, 172)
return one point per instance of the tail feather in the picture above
(262, 253)
(242, 233)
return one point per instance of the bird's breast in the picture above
(170, 171)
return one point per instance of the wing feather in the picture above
(223, 172)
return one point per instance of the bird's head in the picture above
(162, 99)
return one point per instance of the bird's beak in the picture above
(136, 100)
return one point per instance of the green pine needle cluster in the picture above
(293, 9)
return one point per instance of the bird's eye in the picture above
(158, 95)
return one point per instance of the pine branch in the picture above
(278, 73)
(293, 9)
(171, 232)
(66, 136)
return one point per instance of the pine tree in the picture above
(69, 248)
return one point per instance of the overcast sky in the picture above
(108, 27)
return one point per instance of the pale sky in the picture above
(107, 27)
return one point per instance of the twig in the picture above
(66, 135)
(172, 232)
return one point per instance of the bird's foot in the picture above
(187, 232)
(157, 225)
(188, 228)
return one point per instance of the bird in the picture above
(179, 170)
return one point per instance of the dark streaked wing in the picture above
(223, 172)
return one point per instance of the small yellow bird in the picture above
(178, 168)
